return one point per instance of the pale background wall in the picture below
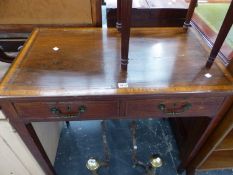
(49, 134)
(3, 68)
(15, 158)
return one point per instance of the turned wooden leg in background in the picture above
(224, 30)
(118, 23)
(126, 8)
(67, 124)
(192, 5)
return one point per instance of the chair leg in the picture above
(192, 5)
(126, 8)
(67, 124)
(118, 23)
(224, 30)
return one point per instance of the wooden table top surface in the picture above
(86, 61)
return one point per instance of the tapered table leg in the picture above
(126, 8)
(118, 23)
(192, 5)
(224, 30)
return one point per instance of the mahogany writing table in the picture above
(68, 74)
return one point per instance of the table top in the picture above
(86, 62)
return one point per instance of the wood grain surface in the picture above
(87, 62)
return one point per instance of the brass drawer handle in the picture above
(59, 114)
(173, 111)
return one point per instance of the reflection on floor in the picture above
(83, 140)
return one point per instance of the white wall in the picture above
(15, 158)
(49, 134)
(3, 68)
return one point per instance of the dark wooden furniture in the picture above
(179, 125)
(192, 5)
(217, 152)
(70, 74)
(124, 21)
(224, 30)
(125, 24)
(149, 13)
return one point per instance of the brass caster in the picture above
(92, 164)
(156, 161)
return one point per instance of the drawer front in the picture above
(173, 107)
(83, 110)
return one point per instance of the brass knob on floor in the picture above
(156, 161)
(92, 164)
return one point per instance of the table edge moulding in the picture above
(71, 74)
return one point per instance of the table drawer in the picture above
(172, 107)
(83, 110)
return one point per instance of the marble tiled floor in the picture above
(83, 140)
